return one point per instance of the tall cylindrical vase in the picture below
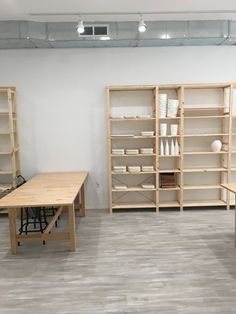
(161, 148)
(176, 147)
(167, 149)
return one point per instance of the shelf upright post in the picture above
(108, 98)
(181, 157)
(12, 138)
(156, 121)
(229, 124)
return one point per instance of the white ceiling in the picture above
(167, 9)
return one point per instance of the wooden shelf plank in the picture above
(201, 187)
(204, 107)
(205, 135)
(204, 169)
(207, 117)
(198, 203)
(5, 172)
(131, 119)
(171, 136)
(131, 137)
(204, 153)
(122, 88)
(169, 170)
(134, 189)
(133, 205)
(176, 188)
(168, 156)
(170, 118)
(130, 173)
(134, 155)
(169, 204)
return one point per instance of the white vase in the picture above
(167, 149)
(163, 129)
(174, 129)
(216, 146)
(162, 105)
(172, 108)
(176, 147)
(172, 147)
(161, 148)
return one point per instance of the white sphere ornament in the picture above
(216, 146)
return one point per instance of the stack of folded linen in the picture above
(134, 169)
(119, 169)
(147, 168)
(118, 151)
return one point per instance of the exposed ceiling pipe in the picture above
(28, 34)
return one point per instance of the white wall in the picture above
(61, 96)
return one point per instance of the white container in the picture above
(216, 146)
(120, 187)
(172, 108)
(167, 148)
(147, 168)
(132, 151)
(174, 129)
(148, 186)
(172, 148)
(146, 151)
(162, 153)
(147, 133)
(163, 129)
(130, 117)
(119, 169)
(118, 151)
(117, 117)
(134, 169)
(144, 116)
(176, 147)
(162, 105)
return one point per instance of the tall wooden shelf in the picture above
(205, 113)
(9, 143)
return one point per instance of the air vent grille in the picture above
(95, 30)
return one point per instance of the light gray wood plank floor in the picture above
(133, 262)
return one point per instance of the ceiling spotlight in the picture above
(142, 26)
(80, 27)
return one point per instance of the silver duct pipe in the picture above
(28, 34)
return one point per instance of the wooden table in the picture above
(47, 190)
(232, 188)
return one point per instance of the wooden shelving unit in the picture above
(205, 113)
(9, 144)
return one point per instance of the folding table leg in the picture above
(72, 229)
(82, 201)
(12, 227)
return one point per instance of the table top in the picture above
(46, 189)
(230, 186)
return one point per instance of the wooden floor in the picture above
(126, 263)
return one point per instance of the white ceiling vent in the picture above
(95, 30)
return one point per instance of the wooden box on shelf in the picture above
(168, 180)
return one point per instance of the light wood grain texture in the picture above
(232, 188)
(47, 189)
(217, 114)
(10, 134)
